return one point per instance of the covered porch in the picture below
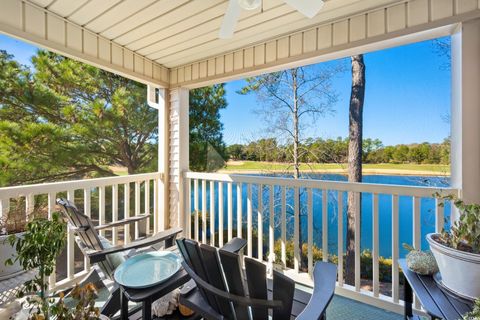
(173, 47)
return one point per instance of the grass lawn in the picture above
(266, 166)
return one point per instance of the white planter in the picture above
(460, 270)
(6, 252)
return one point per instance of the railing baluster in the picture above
(310, 230)
(204, 211)
(147, 206)
(439, 215)
(325, 225)
(52, 279)
(87, 210)
(30, 205)
(239, 210)
(416, 224)
(260, 222)
(114, 213)
(101, 208)
(155, 206)
(220, 214)
(284, 226)
(296, 224)
(137, 208)
(70, 243)
(188, 209)
(249, 220)
(4, 207)
(417, 233)
(126, 212)
(230, 210)
(376, 246)
(395, 274)
(195, 207)
(271, 231)
(357, 200)
(212, 213)
(340, 237)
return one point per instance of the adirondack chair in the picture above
(105, 257)
(222, 292)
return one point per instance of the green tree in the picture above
(235, 152)
(63, 119)
(207, 149)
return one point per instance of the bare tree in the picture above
(355, 128)
(290, 101)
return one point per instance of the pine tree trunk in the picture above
(354, 159)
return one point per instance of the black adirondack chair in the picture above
(99, 252)
(223, 292)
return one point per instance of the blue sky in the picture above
(407, 97)
(406, 100)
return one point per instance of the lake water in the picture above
(427, 216)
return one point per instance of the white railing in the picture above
(333, 193)
(40, 198)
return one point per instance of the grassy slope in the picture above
(257, 165)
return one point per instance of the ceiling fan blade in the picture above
(230, 20)
(309, 8)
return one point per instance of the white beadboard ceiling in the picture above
(176, 32)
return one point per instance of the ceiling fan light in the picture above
(250, 4)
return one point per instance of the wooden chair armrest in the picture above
(324, 278)
(168, 236)
(235, 245)
(240, 300)
(122, 222)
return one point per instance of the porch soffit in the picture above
(175, 42)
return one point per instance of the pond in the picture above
(427, 215)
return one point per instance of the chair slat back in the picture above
(283, 290)
(215, 276)
(85, 230)
(222, 269)
(196, 263)
(256, 273)
(231, 264)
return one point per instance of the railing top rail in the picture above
(43, 188)
(401, 190)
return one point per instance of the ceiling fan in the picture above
(309, 8)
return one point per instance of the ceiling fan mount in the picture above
(308, 8)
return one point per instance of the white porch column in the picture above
(178, 152)
(465, 121)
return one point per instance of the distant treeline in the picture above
(336, 150)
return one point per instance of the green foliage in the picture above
(38, 249)
(64, 119)
(207, 149)
(475, 313)
(465, 233)
(336, 150)
(85, 305)
(366, 260)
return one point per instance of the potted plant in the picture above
(38, 249)
(457, 252)
(10, 224)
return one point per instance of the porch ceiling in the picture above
(177, 32)
(173, 43)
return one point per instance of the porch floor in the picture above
(343, 308)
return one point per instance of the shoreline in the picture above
(367, 171)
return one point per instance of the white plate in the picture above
(147, 269)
